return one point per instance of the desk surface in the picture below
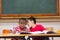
(17, 35)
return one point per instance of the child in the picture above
(21, 28)
(34, 28)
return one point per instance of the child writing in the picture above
(36, 27)
(21, 28)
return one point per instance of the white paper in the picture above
(36, 32)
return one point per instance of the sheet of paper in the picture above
(37, 32)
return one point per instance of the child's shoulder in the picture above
(38, 24)
(16, 26)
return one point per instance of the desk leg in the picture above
(29, 38)
(4, 38)
(52, 38)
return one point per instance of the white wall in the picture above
(8, 24)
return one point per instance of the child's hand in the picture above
(23, 31)
(12, 31)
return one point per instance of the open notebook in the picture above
(39, 32)
(36, 32)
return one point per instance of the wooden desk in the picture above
(33, 35)
(13, 35)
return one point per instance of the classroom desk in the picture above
(30, 35)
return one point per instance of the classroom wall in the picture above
(8, 24)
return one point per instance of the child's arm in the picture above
(13, 30)
(26, 30)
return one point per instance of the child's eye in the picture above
(22, 23)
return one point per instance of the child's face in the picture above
(30, 23)
(22, 23)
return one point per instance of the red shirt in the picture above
(18, 29)
(37, 28)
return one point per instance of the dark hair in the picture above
(32, 19)
(23, 19)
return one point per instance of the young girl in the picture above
(34, 28)
(21, 28)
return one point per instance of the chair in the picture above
(5, 31)
(50, 29)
